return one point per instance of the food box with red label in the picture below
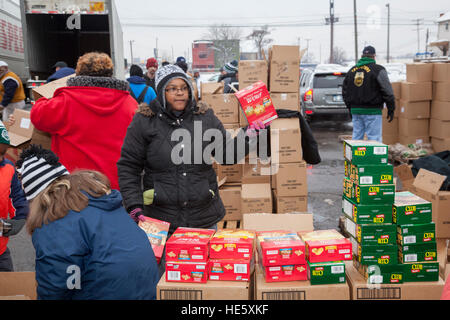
(232, 244)
(327, 245)
(156, 231)
(230, 269)
(278, 248)
(256, 103)
(286, 273)
(184, 271)
(189, 244)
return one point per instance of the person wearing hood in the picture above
(152, 66)
(138, 88)
(61, 70)
(88, 119)
(179, 184)
(365, 90)
(231, 77)
(87, 247)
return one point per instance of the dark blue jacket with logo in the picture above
(112, 254)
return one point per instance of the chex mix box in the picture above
(421, 271)
(326, 272)
(423, 252)
(381, 274)
(375, 254)
(185, 271)
(232, 244)
(367, 214)
(230, 269)
(410, 209)
(285, 273)
(372, 234)
(326, 245)
(408, 234)
(369, 173)
(281, 247)
(365, 152)
(189, 244)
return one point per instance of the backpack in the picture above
(141, 97)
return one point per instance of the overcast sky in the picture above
(191, 17)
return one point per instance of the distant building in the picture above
(441, 45)
(249, 56)
(202, 55)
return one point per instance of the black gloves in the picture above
(390, 115)
(16, 226)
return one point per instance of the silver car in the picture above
(321, 90)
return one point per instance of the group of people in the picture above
(110, 165)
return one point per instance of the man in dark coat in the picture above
(152, 66)
(61, 70)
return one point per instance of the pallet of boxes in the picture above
(440, 108)
(393, 236)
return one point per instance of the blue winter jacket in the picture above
(61, 73)
(137, 84)
(112, 254)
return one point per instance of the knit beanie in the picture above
(151, 62)
(4, 136)
(164, 75)
(38, 168)
(181, 59)
(231, 67)
(135, 70)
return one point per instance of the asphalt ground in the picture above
(324, 187)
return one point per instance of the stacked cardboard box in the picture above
(367, 205)
(416, 237)
(390, 129)
(440, 108)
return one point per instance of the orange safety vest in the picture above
(19, 95)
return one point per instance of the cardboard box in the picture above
(397, 88)
(326, 245)
(440, 110)
(440, 129)
(326, 272)
(443, 257)
(419, 72)
(232, 172)
(242, 119)
(156, 231)
(232, 244)
(297, 290)
(212, 290)
(256, 198)
(230, 269)
(421, 271)
(420, 91)
(285, 141)
(225, 106)
(373, 194)
(258, 172)
(390, 128)
(290, 204)
(417, 252)
(189, 244)
(414, 110)
(287, 101)
(290, 179)
(408, 234)
(382, 274)
(361, 290)
(426, 185)
(294, 221)
(285, 273)
(280, 247)
(367, 214)
(441, 72)
(370, 174)
(186, 271)
(390, 139)
(284, 68)
(440, 144)
(375, 254)
(409, 208)
(405, 140)
(22, 129)
(372, 234)
(413, 127)
(405, 176)
(365, 152)
(18, 284)
(251, 71)
(211, 88)
(441, 91)
(231, 198)
(47, 90)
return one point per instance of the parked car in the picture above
(321, 90)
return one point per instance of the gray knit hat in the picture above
(164, 75)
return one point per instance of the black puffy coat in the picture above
(186, 195)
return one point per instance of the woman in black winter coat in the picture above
(170, 140)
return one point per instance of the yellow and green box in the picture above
(367, 214)
(372, 234)
(374, 194)
(369, 174)
(326, 272)
(408, 234)
(384, 274)
(365, 152)
(424, 252)
(409, 208)
(420, 271)
(376, 254)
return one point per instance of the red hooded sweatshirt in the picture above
(88, 125)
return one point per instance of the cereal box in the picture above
(421, 271)
(371, 174)
(285, 273)
(408, 234)
(375, 254)
(232, 244)
(326, 272)
(277, 248)
(418, 252)
(181, 271)
(365, 152)
(256, 103)
(156, 231)
(410, 209)
(381, 274)
(230, 269)
(367, 214)
(372, 234)
(327, 245)
(189, 244)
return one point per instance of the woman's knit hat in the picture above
(38, 168)
(166, 74)
(231, 67)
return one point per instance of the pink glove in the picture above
(253, 129)
(137, 215)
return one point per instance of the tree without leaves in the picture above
(259, 38)
(222, 32)
(339, 55)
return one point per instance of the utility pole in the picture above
(418, 21)
(307, 49)
(426, 42)
(331, 20)
(131, 51)
(356, 30)
(388, 29)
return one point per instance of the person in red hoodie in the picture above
(88, 119)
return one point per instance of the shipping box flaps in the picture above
(22, 129)
(18, 284)
(267, 221)
(47, 90)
